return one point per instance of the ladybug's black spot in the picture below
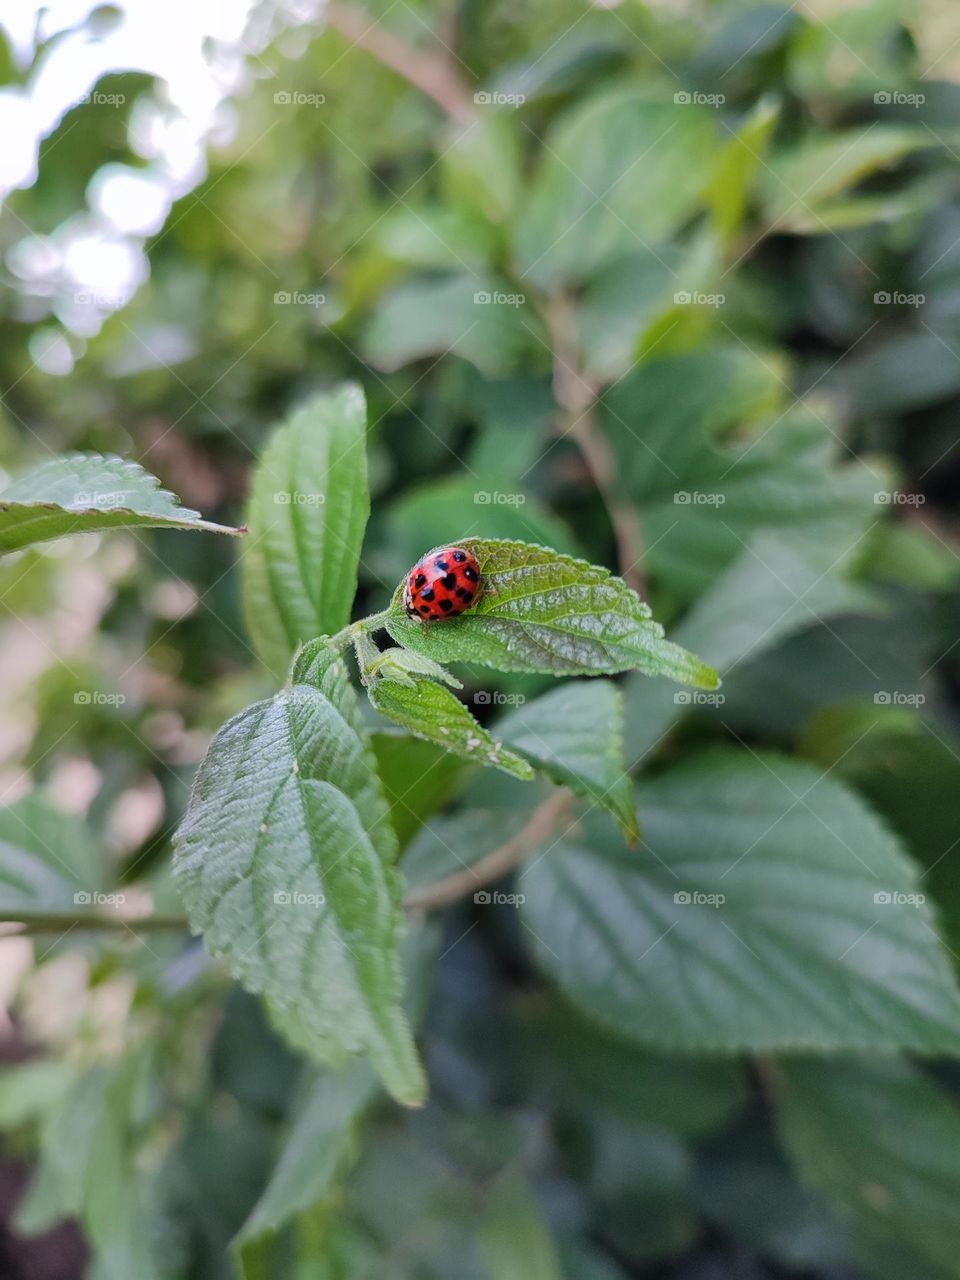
(461, 594)
(459, 556)
(446, 606)
(424, 608)
(427, 595)
(471, 573)
(419, 580)
(449, 581)
(467, 597)
(441, 564)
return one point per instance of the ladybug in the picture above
(442, 584)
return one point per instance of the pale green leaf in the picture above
(800, 178)
(85, 492)
(48, 861)
(319, 1144)
(284, 861)
(575, 735)
(514, 1240)
(430, 711)
(539, 610)
(772, 910)
(308, 511)
(483, 318)
(404, 665)
(620, 171)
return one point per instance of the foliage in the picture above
(634, 885)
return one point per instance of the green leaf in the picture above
(619, 172)
(403, 665)
(308, 510)
(882, 1143)
(418, 778)
(573, 1056)
(514, 1240)
(542, 611)
(736, 165)
(701, 498)
(29, 1090)
(575, 735)
(48, 861)
(798, 179)
(320, 1143)
(85, 492)
(437, 513)
(774, 911)
(430, 711)
(481, 166)
(284, 861)
(482, 318)
(777, 586)
(88, 1170)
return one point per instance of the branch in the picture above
(576, 394)
(61, 921)
(432, 74)
(539, 826)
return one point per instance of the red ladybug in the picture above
(442, 584)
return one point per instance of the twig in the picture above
(540, 825)
(576, 394)
(432, 74)
(60, 921)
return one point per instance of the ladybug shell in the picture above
(442, 584)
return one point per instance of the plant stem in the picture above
(368, 624)
(61, 921)
(541, 824)
(431, 73)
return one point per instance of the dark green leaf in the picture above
(772, 910)
(575, 735)
(882, 1143)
